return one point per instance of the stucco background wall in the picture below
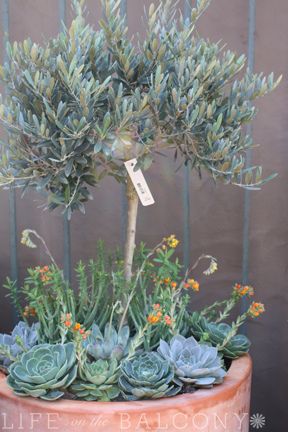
(216, 221)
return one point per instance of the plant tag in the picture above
(139, 183)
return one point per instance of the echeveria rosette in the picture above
(215, 333)
(147, 376)
(98, 381)
(196, 364)
(111, 344)
(44, 371)
(22, 338)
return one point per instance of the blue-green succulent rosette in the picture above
(44, 372)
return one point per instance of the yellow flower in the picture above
(171, 241)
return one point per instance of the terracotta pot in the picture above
(223, 408)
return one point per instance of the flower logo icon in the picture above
(257, 421)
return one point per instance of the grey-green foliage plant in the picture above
(88, 100)
(147, 376)
(216, 334)
(97, 380)
(44, 372)
(194, 363)
(108, 345)
(22, 338)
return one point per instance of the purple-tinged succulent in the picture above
(22, 338)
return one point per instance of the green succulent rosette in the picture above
(215, 334)
(108, 345)
(98, 381)
(147, 376)
(44, 371)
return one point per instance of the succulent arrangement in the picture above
(148, 357)
(76, 109)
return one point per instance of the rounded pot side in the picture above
(225, 408)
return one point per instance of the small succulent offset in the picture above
(110, 345)
(44, 371)
(196, 364)
(22, 338)
(98, 381)
(147, 376)
(216, 334)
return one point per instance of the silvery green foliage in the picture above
(98, 381)
(87, 100)
(216, 334)
(147, 376)
(110, 345)
(194, 363)
(44, 371)
(22, 338)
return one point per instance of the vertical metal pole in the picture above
(124, 206)
(247, 196)
(12, 195)
(66, 222)
(186, 188)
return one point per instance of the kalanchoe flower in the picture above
(112, 344)
(23, 338)
(147, 376)
(99, 381)
(195, 364)
(256, 309)
(243, 290)
(44, 371)
(26, 239)
(213, 267)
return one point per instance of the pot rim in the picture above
(239, 372)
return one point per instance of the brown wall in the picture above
(216, 211)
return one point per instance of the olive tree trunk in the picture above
(132, 211)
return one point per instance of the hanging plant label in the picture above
(139, 183)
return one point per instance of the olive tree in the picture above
(88, 100)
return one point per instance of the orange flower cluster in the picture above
(44, 273)
(157, 316)
(193, 284)
(243, 291)
(256, 309)
(77, 327)
(29, 312)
